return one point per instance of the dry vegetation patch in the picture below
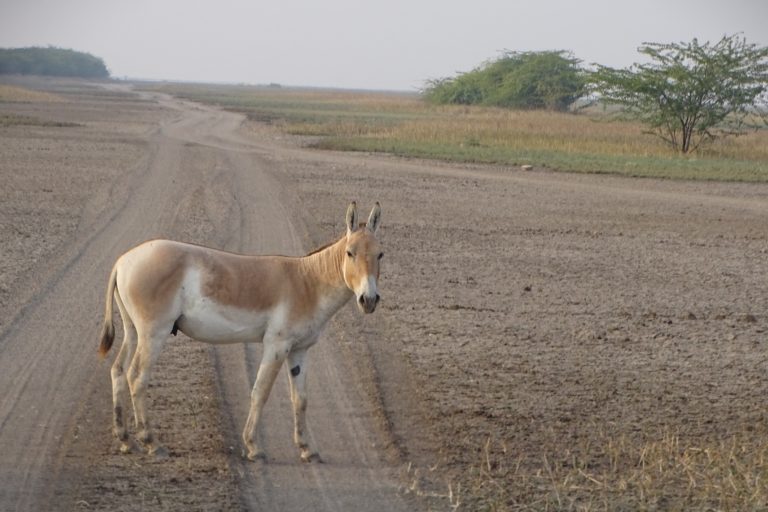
(24, 120)
(14, 94)
(639, 472)
(403, 124)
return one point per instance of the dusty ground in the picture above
(531, 322)
(546, 317)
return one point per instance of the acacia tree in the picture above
(691, 93)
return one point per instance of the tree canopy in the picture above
(52, 62)
(690, 93)
(549, 80)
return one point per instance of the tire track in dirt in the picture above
(47, 354)
(353, 476)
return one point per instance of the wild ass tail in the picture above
(108, 329)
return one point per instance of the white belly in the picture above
(204, 320)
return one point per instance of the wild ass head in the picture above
(362, 258)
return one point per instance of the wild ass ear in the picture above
(352, 217)
(374, 219)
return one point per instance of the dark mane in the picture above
(323, 247)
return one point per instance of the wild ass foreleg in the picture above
(297, 378)
(147, 352)
(270, 365)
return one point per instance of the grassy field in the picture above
(401, 124)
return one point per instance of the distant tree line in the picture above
(51, 61)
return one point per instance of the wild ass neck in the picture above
(323, 269)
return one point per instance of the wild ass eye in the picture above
(349, 253)
(381, 255)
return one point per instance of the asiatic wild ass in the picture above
(213, 296)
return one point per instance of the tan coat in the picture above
(162, 286)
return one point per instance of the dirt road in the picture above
(198, 180)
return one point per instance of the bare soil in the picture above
(548, 318)
(530, 320)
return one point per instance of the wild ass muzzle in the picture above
(162, 287)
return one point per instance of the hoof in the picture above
(160, 452)
(256, 456)
(311, 457)
(128, 447)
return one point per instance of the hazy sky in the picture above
(386, 44)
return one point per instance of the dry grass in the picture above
(21, 120)
(536, 130)
(402, 124)
(665, 472)
(13, 94)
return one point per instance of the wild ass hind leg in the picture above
(120, 391)
(271, 361)
(147, 352)
(297, 380)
